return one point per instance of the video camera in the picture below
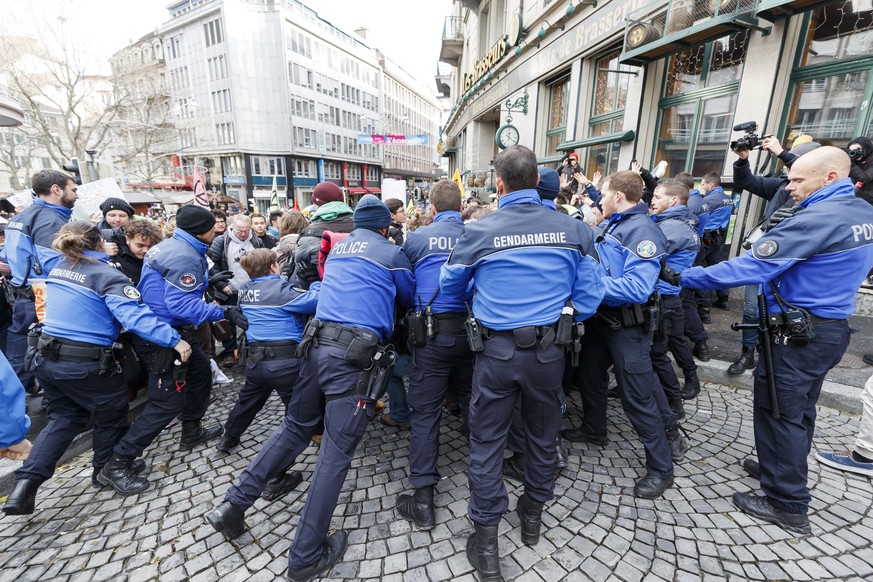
(750, 141)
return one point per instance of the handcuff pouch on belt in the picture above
(110, 359)
(652, 313)
(362, 348)
(48, 347)
(575, 348)
(162, 361)
(565, 329)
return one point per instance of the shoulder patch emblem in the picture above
(188, 280)
(646, 249)
(767, 248)
(130, 291)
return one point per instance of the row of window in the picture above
(224, 133)
(217, 67)
(303, 76)
(301, 168)
(212, 32)
(267, 166)
(307, 109)
(221, 101)
(179, 78)
(312, 48)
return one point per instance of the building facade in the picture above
(272, 92)
(409, 110)
(623, 80)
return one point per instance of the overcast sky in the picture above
(408, 32)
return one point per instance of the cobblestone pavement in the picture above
(595, 528)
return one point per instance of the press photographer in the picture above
(860, 150)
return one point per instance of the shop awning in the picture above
(774, 9)
(595, 141)
(374, 190)
(357, 190)
(449, 151)
(654, 33)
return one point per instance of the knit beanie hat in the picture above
(550, 184)
(372, 213)
(116, 204)
(327, 192)
(195, 219)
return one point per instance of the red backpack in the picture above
(328, 239)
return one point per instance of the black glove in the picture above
(221, 277)
(235, 315)
(669, 275)
(781, 215)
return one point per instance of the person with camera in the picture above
(344, 371)
(774, 191)
(78, 364)
(531, 267)
(860, 150)
(828, 237)
(174, 280)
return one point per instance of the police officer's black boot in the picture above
(281, 484)
(193, 434)
(418, 507)
(678, 444)
(701, 351)
(226, 443)
(137, 467)
(705, 315)
(22, 500)
(678, 408)
(563, 462)
(692, 386)
(530, 513)
(119, 474)
(746, 362)
(228, 519)
(483, 554)
(332, 552)
(513, 467)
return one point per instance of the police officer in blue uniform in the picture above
(829, 238)
(29, 253)
(445, 352)
(526, 264)
(714, 218)
(277, 312)
(88, 303)
(344, 369)
(671, 215)
(630, 247)
(174, 279)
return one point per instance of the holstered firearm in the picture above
(765, 340)
(382, 369)
(33, 335)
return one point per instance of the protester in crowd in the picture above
(259, 231)
(420, 218)
(220, 222)
(169, 227)
(798, 252)
(860, 459)
(116, 213)
(88, 303)
(30, 256)
(275, 221)
(14, 422)
(518, 357)
(134, 241)
(381, 275)
(398, 219)
(290, 226)
(331, 214)
(568, 169)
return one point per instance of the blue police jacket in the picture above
(816, 258)
(14, 423)
(92, 302)
(174, 279)
(428, 248)
(363, 276)
(276, 309)
(525, 262)
(683, 243)
(29, 239)
(695, 202)
(630, 248)
(716, 211)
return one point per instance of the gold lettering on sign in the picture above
(483, 65)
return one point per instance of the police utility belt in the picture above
(362, 351)
(648, 314)
(54, 348)
(270, 350)
(14, 292)
(422, 326)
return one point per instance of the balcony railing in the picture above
(453, 29)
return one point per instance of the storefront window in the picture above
(607, 112)
(557, 117)
(832, 85)
(839, 31)
(700, 97)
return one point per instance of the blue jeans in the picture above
(398, 407)
(750, 315)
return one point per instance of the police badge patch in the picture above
(767, 248)
(646, 249)
(188, 280)
(130, 291)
